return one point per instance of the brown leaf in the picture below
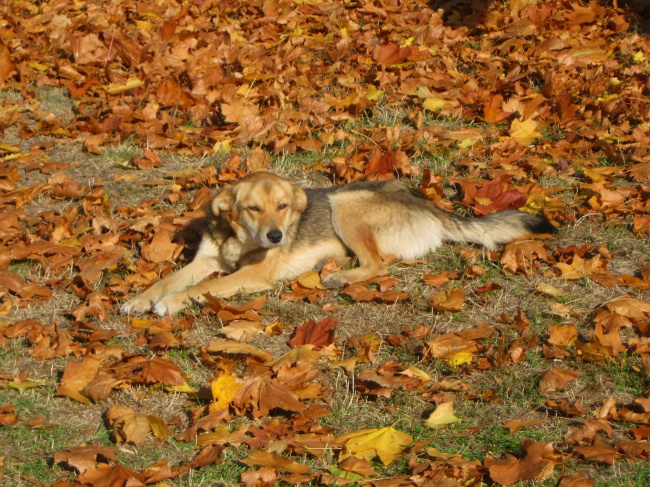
(111, 476)
(555, 379)
(588, 430)
(161, 248)
(319, 334)
(537, 464)
(83, 458)
(576, 479)
(264, 477)
(599, 452)
(563, 335)
(519, 424)
(77, 376)
(277, 462)
(8, 416)
(359, 466)
(450, 300)
(262, 394)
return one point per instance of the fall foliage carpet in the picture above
(529, 365)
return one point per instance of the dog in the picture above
(264, 229)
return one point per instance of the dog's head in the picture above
(261, 207)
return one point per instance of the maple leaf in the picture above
(599, 452)
(546, 288)
(276, 462)
(8, 416)
(304, 354)
(223, 391)
(238, 348)
(555, 379)
(77, 376)
(83, 458)
(518, 424)
(524, 131)
(318, 334)
(358, 466)
(537, 464)
(588, 430)
(576, 479)
(263, 477)
(450, 300)
(110, 476)
(442, 416)
(262, 394)
(386, 443)
(563, 335)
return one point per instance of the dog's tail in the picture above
(497, 228)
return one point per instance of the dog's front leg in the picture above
(250, 278)
(197, 270)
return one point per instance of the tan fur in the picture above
(265, 229)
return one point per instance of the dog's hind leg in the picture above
(360, 239)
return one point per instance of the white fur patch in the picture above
(417, 235)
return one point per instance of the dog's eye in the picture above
(282, 206)
(254, 208)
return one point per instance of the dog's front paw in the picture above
(170, 305)
(335, 279)
(135, 306)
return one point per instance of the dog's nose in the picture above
(274, 236)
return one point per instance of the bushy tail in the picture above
(497, 228)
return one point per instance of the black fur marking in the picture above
(541, 226)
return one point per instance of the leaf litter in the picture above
(554, 104)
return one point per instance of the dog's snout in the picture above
(274, 236)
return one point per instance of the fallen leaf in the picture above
(442, 416)
(386, 443)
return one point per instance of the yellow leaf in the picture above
(433, 104)
(311, 280)
(184, 387)
(158, 427)
(223, 146)
(524, 132)
(545, 288)
(535, 204)
(374, 93)
(223, 390)
(27, 384)
(131, 84)
(462, 357)
(38, 67)
(237, 37)
(137, 323)
(443, 415)
(8, 147)
(386, 443)
(638, 57)
(412, 371)
(274, 328)
(143, 25)
(612, 96)
(304, 354)
(466, 144)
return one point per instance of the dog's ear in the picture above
(223, 202)
(299, 199)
